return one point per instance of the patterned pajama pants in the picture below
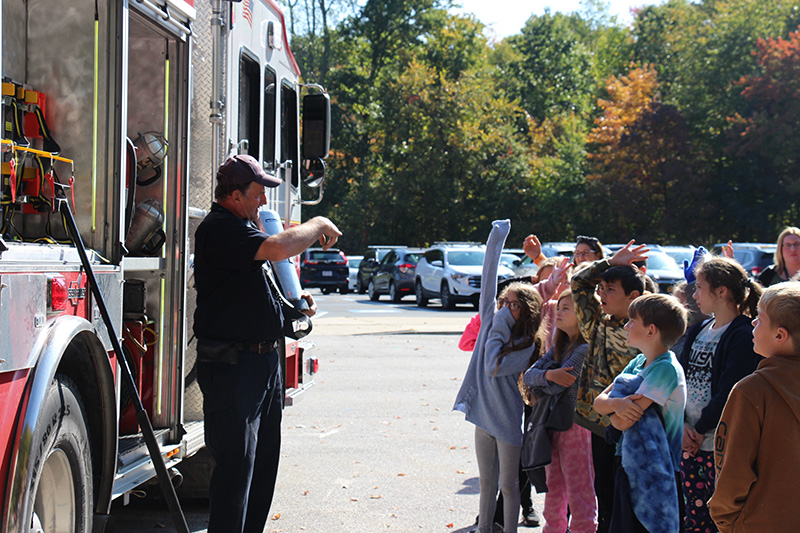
(697, 481)
(570, 482)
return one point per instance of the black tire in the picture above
(422, 300)
(360, 289)
(446, 297)
(373, 292)
(59, 496)
(325, 290)
(394, 294)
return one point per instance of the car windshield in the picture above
(465, 258)
(660, 261)
(680, 254)
(413, 258)
(508, 260)
(353, 262)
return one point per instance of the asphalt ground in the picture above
(374, 445)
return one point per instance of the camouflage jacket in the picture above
(608, 353)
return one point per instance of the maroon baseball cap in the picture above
(244, 169)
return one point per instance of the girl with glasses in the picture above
(587, 249)
(489, 395)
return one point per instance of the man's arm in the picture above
(294, 240)
(735, 449)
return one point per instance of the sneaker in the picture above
(530, 518)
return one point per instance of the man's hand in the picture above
(330, 233)
(312, 305)
(689, 268)
(532, 247)
(561, 376)
(629, 253)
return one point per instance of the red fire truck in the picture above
(106, 107)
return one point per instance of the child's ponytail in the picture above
(754, 291)
(725, 272)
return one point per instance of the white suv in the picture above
(452, 273)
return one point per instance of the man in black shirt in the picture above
(238, 324)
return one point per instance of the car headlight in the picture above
(459, 278)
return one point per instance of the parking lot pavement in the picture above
(374, 445)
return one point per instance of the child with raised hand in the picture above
(757, 455)
(717, 353)
(570, 475)
(602, 292)
(646, 402)
(489, 396)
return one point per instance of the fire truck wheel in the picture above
(60, 497)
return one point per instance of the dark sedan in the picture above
(395, 274)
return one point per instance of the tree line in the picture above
(682, 127)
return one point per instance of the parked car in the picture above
(452, 273)
(524, 267)
(680, 253)
(753, 256)
(324, 269)
(663, 269)
(395, 274)
(369, 264)
(552, 249)
(352, 270)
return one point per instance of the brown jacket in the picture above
(757, 452)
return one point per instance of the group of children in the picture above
(692, 441)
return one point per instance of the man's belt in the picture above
(260, 348)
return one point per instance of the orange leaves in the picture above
(630, 97)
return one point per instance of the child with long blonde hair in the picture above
(570, 475)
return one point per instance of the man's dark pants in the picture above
(242, 406)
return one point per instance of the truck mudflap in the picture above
(299, 369)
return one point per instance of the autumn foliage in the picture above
(641, 160)
(770, 127)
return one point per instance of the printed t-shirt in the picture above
(664, 383)
(698, 377)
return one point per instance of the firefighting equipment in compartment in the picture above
(130, 182)
(151, 149)
(24, 109)
(146, 237)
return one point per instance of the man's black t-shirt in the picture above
(233, 298)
